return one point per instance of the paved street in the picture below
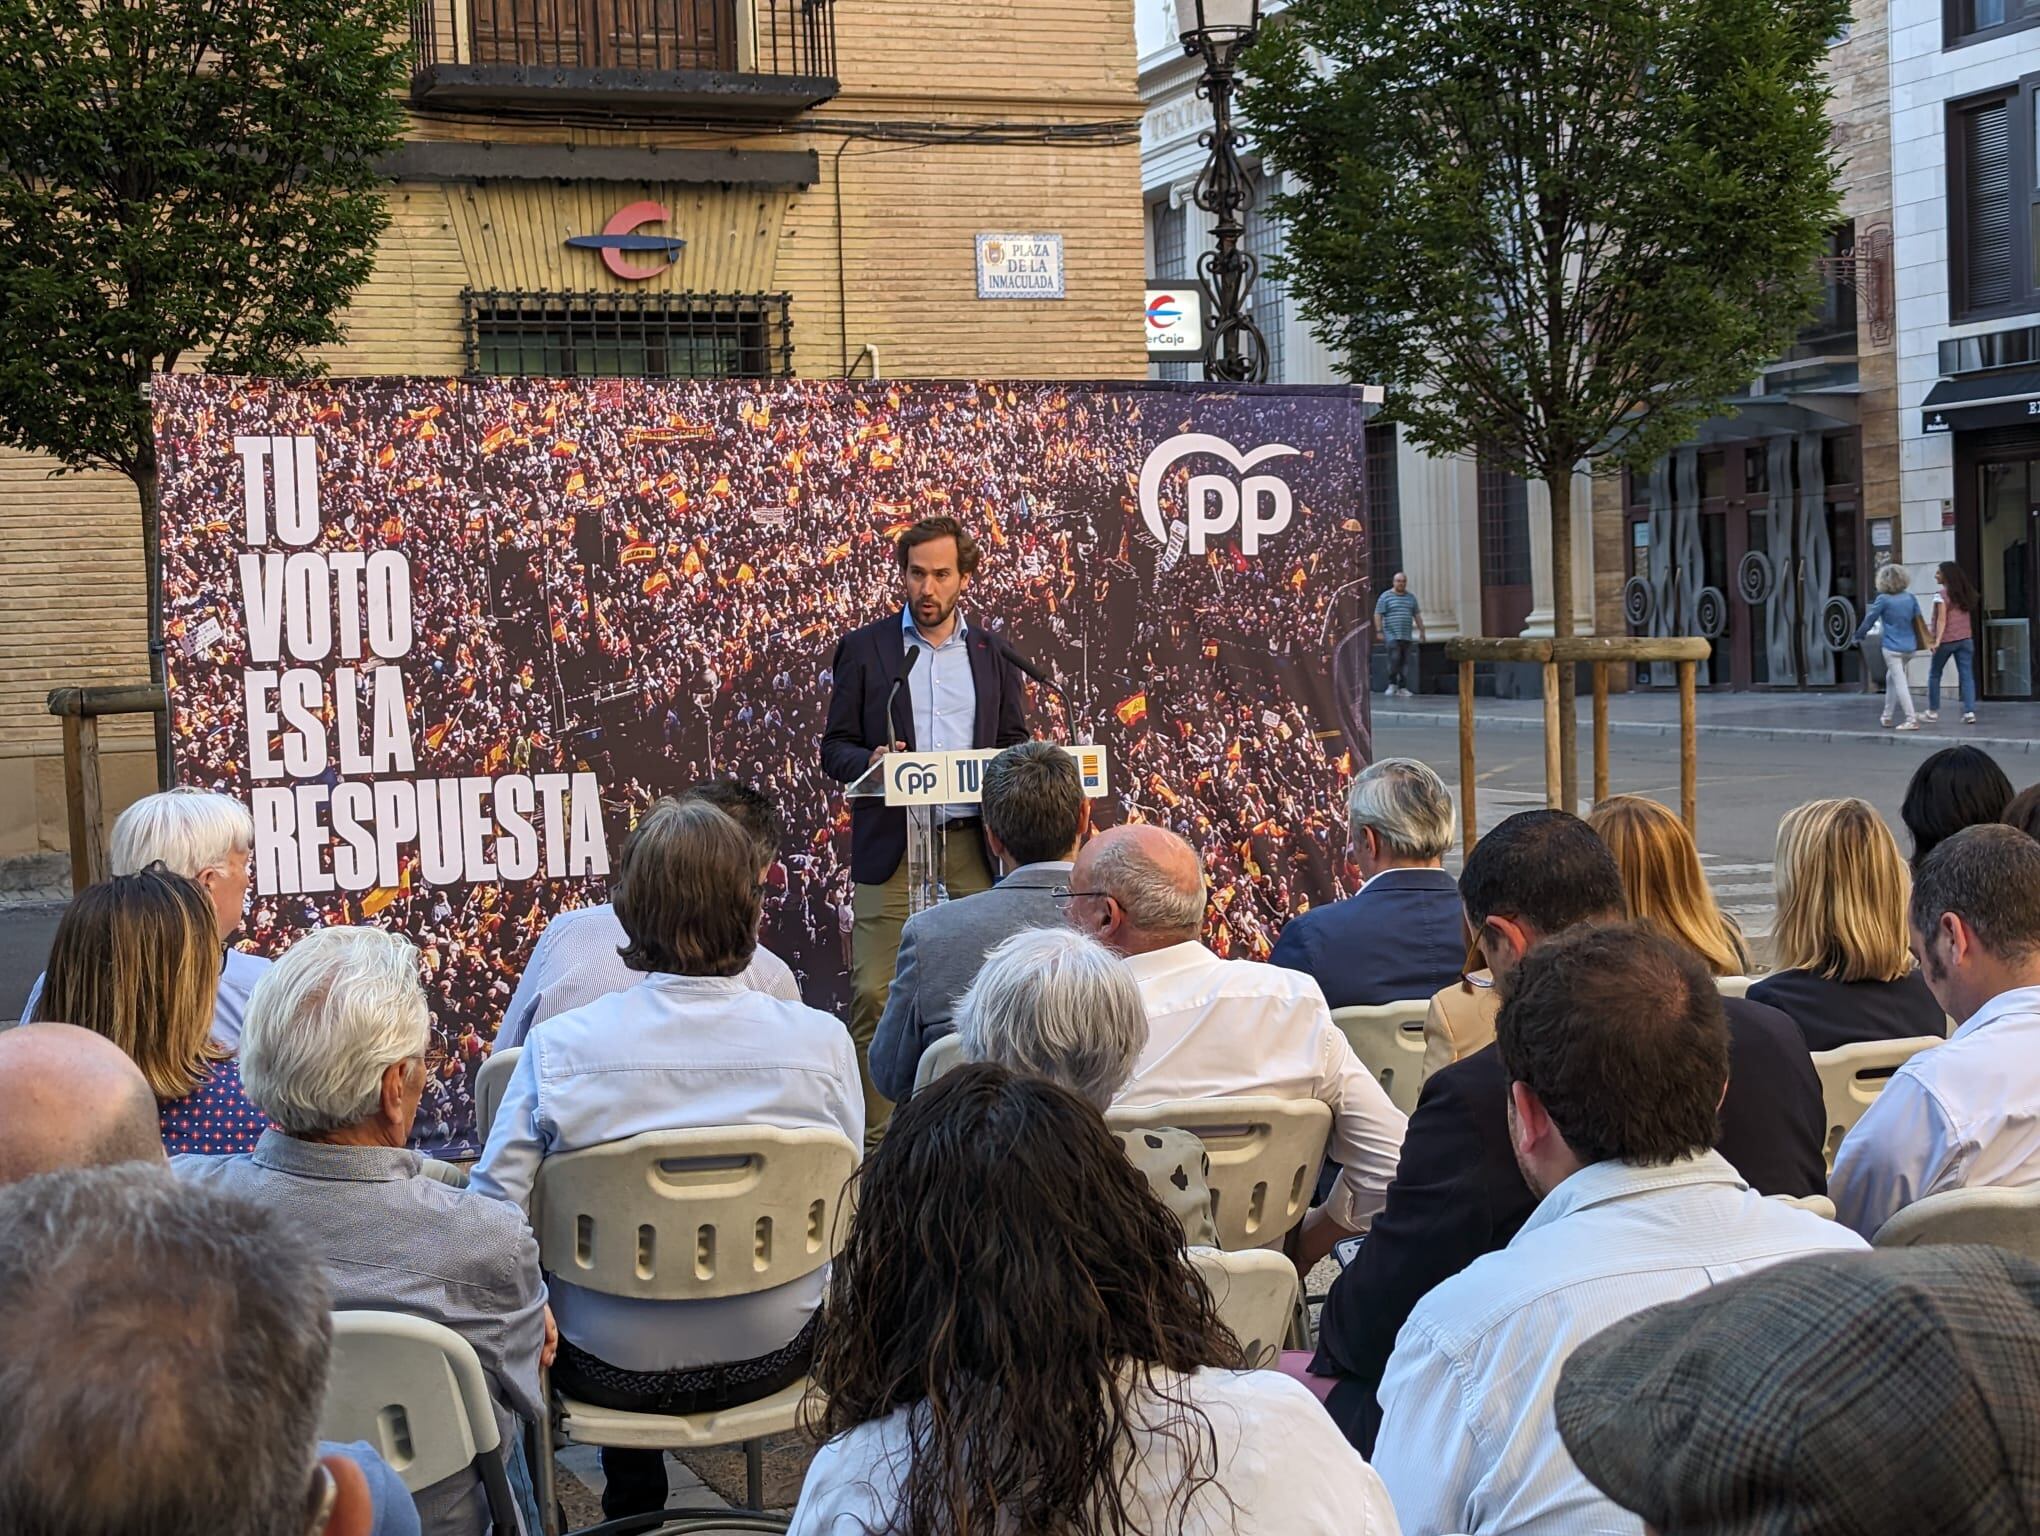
(1746, 784)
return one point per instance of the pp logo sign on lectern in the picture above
(916, 778)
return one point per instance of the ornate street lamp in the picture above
(1234, 347)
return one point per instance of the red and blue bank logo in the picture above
(1163, 311)
(620, 234)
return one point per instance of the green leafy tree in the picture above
(179, 180)
(1561, 232)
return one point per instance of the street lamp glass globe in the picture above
(1222, 21)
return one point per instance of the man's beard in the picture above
(941, 615)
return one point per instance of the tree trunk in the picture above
(152, 573)
(1558, 486)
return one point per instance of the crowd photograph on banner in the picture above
(611, 591)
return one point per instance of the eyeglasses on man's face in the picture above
(1062, 896)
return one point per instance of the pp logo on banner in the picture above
(914, 778)
(1258, 504)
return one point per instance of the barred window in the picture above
(628, 335)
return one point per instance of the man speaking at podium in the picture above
(958, 693)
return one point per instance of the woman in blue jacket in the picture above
(1897, 611)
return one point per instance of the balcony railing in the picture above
(722, 58)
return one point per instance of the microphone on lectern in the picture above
(913, 655)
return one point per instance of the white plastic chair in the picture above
(944, 1054)
(490, 1083)
(414, 1390)
(1389, 1040)
(1257, 1296)
(2005, 1218)
(1851, 1077)
(688, 1216)
(1265, 1153)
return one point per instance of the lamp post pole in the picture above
(1234, 348)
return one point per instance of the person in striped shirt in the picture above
(1399, 623)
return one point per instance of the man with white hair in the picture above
(1052, 1003)
(1223, 1028)
(1403, 933)
(208, 838)
(334, 1054)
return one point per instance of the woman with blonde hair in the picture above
(1844, 971)
(1662, 878)
(137, 959)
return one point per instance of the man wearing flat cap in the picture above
(1871, 1394)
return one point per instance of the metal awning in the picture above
(2002, 398)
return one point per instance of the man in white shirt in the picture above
(1617, 1055)
(1224, 1028)
(688, 1047)
(1966, 1113)
(577, 959)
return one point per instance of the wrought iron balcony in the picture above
(759, 60)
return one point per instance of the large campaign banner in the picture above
(447, 638)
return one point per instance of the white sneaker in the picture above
(1908, 725)
(1970, 718)
(1885, 721)
(1930, 714)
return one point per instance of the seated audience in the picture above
(1459, 1192)
(2024, 811)
(163, 1357)
(1844, 972)
(1221, 1028)
(690, 1046)
(1035, 816)
(334, 1054)
(136, 959)
(1955, 788)
(1017, 1341)
(1401, 934)
(208, 838)
(1615, 1050)
(1663, 883)
(74, 1100)
(1055, 1004)
(1865, 1394)
(1964, 1113)
(578, 958)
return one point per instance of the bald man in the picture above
(1224, 1028)
(71, 1099)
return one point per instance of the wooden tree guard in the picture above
(1599, 652)
(80, 709)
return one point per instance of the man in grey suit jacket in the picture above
(1035, 815)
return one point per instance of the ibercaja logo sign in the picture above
(1212, 505)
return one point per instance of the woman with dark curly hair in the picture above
(1016, 1342)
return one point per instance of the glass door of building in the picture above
(2001, 557)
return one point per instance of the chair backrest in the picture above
(1851, 1077)
(2008, 1218)
(944, 1054)
(692, 1215)
(413, 1389)
(1264, 1151)
(1389, 1040)
(489, 1085)
(1257, 1296)
(1733, 986)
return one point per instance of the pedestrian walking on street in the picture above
(1399, 623)
(1897, 613)
(1954, 625)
